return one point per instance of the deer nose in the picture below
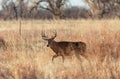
(47, 45)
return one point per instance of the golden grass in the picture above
(27, 57)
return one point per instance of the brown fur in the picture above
(64, 48)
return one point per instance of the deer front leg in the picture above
(57, 56)
(54, 57)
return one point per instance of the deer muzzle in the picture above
(47, 45)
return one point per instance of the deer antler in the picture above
(55, 34)
(46, 38)
(43, 36)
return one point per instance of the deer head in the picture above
(49, 39)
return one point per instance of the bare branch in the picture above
(54, 6)
(101, 7)
(46, 8)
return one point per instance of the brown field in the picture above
(27, 56)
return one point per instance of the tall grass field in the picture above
(28, 57)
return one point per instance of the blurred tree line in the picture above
(59, 9)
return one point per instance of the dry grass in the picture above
(27, 57)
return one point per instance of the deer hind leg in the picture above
(63, 58)
(77, 55)
(4, 46)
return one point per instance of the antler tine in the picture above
(55, 34)
(43, 34)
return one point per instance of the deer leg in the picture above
(63, 58)
(54, 57)
(5, 47)
(77, 55)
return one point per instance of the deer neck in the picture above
(54, 46)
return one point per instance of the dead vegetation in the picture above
(27, 57)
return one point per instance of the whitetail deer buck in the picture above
(64, 48)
